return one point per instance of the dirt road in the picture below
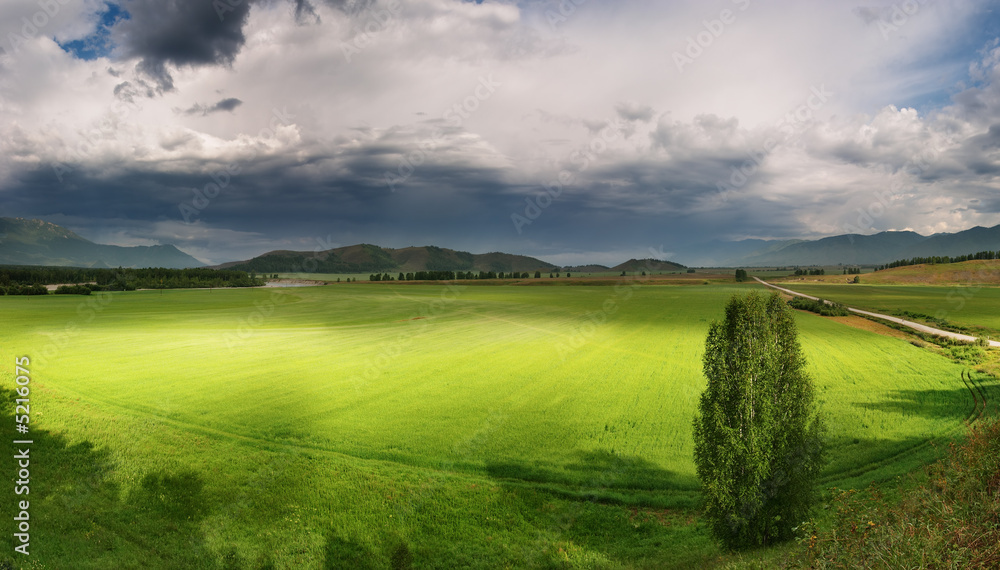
(897, 320)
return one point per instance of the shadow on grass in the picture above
(80, 517)
(957, 403)
(341, 552)
(607, 509)
(600, 469)
(937, 404)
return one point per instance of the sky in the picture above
(576, 131)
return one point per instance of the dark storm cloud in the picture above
(979, 154)
(977, 104)
(989, 202)
(312, 191)
(130, 195)
(228, 104)
(988, 141)
(181, 33)
(656, 187)
(622, 229)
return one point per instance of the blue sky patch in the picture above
(97, 44)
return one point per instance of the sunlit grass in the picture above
(397, 414)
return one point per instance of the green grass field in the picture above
(381, 425)
(977, 308)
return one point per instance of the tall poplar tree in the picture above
(758, 433)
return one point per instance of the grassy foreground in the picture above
(429, 426)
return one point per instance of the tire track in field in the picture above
(979, 403)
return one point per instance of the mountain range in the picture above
(367, 258)
(35, 242)
(848, 249)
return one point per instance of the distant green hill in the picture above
(367, 258)
(36, 242)
(633, 265)
(587, 268)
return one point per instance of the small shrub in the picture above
(969, 354)
(73, 290)
(819, 307)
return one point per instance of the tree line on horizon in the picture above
(982, 255)
(452, 275)
(28, 280)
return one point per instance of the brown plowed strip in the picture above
(865, 324)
